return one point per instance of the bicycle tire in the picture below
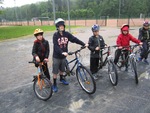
(84, 78)
(113, 74)
(47, 89)
(133, 64)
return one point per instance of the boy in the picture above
(40, 50)
(124, 40)
(144, 36)
(60, 43)
(96, 42)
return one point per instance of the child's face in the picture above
(125, 32)
(61, 28)
(146, 27)
(96, 33)
(39, 36)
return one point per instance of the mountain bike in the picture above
(129, 60)
(42, 86)
(84, 76)
(112, 71)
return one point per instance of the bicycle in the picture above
(42, 86)
(129, 60)
(112, 71)
(84, 76)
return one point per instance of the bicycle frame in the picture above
(104, 62)
(77, 62)
(130, 55)
(40, 73)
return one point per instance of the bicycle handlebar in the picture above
(38, 63)
(71, 53)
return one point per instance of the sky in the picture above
(11, 3)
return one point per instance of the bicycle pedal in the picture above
(73, 73)
(34, 76)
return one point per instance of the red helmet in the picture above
(125, 27)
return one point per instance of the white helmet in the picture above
(59, 22)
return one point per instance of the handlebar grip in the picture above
(70, 53)
(31, 62)
(83, 47)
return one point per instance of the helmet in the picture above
(146, 23)
(125, 27)
(38, 31)
(95, 27)
(59, 22)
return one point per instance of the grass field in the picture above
(9, 32)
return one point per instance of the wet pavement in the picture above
(16, 87)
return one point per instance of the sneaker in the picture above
(64, 82)
(55, 88)
(146, 62)
(95, 76)
(139, 59)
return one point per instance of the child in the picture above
(144, 36)
(60, 42)
(40, 50)
(124, 40)
(96, 42)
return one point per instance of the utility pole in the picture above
(119, 8)
(15, 10)
(54, 10)
(68, 4)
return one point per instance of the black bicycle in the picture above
(128, 58)
(42, 85)
(112, 71)
(83, 75)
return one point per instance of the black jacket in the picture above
(95, 42)
(60, 43)
(144, 35)
(41, 49)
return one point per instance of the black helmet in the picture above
(146, 23)
(95, 27)
(59, 22)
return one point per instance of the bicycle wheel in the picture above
(134, 69)
(43, 88)
(85, 80)
(112, 71)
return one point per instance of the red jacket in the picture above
(124, 40)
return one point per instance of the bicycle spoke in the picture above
(85, 80)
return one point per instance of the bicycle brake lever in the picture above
(70, 53)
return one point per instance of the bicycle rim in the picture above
(113, 75)
(85, 80)
(43, 89)
(134, 68)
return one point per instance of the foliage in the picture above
(80, 9)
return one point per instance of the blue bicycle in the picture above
(83, 75)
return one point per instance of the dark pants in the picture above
(94, 65)
(117, 55)
(46, 71)
(144, 50)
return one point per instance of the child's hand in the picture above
(97, 48)
(120, 47)
(65, 53)
(37, 59)
(86, 45)
(140, 43)
(46, 60)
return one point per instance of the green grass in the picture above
(10, 32)
(18, 31)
